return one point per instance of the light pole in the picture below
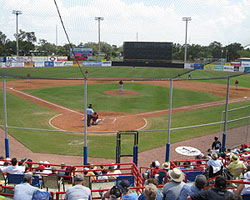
(17, 12)
(186, 19)
(99, 35)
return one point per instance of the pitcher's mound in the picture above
(121, 93)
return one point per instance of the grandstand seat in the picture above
(246, 196)
(52, 182)
(191, 175)
(15, 178)
(88, 182)
(130, 178)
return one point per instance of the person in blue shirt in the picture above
(199, 184)
(126, 195)
(159, 195)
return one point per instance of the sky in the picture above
(224, 21)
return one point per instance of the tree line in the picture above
(30, 46)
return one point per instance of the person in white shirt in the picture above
(13, 168)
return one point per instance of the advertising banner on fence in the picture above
(247, 69)
(62, 58)
(236, 63)
(228, 68)
(209, 67)
(106, 63)
(39, 58)
(2, 64)
(199, 66)
(29, 64)
(58, 64)
(48, 64)
(17, 64)
(218, 67)
(236, 69)
(68, 63)
(241, 69)
(2, 59)
(75, 63)
(92, 63)
(39, 64)
(188, 66)
(245, 64)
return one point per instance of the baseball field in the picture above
(50, 102)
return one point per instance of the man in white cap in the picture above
(25, 190)
(199, 183)
(172, 189)
(78, 191)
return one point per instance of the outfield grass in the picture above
(149, 97)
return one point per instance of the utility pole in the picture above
(17, 12)
(99, 35)
(186, 19)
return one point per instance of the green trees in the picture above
(29, 45)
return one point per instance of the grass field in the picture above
(149, 98)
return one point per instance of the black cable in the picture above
(68, 37)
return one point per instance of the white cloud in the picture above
(225, 21)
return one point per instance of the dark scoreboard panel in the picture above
(161, 51)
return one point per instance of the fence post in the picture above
(7, 154)
(169, 121)
(225, 122)
(85, 148)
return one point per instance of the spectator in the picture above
(48, 169)
(28, 166)
(87, 172)
(244, 188)
(219, 191)
(172, 189)
(113, 172)
(151, 192)
(156, 168)
(2, 197)
(199, 166)
(199, 183)
(103, 176)
(244, 148)
(78, 191)
(61, 172)
(236, 167)
(214, 166)
(124, 185)
(216, 146)
(24, 190)
(13, 168)
(159, 193)
(163, 173)
(248, 166)
(114, 193)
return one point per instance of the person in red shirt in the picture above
(236, 84)
(121, 85)
(95, 119)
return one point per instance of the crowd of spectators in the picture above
(162, 182)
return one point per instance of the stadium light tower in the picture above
(186, 19)
(99, 35)
(17, 12)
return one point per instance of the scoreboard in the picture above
(155, 51)
(81, 53)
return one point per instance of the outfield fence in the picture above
(233, 124)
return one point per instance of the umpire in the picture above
(89, 114)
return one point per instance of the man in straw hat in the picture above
(172, 189)
(219, 191)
